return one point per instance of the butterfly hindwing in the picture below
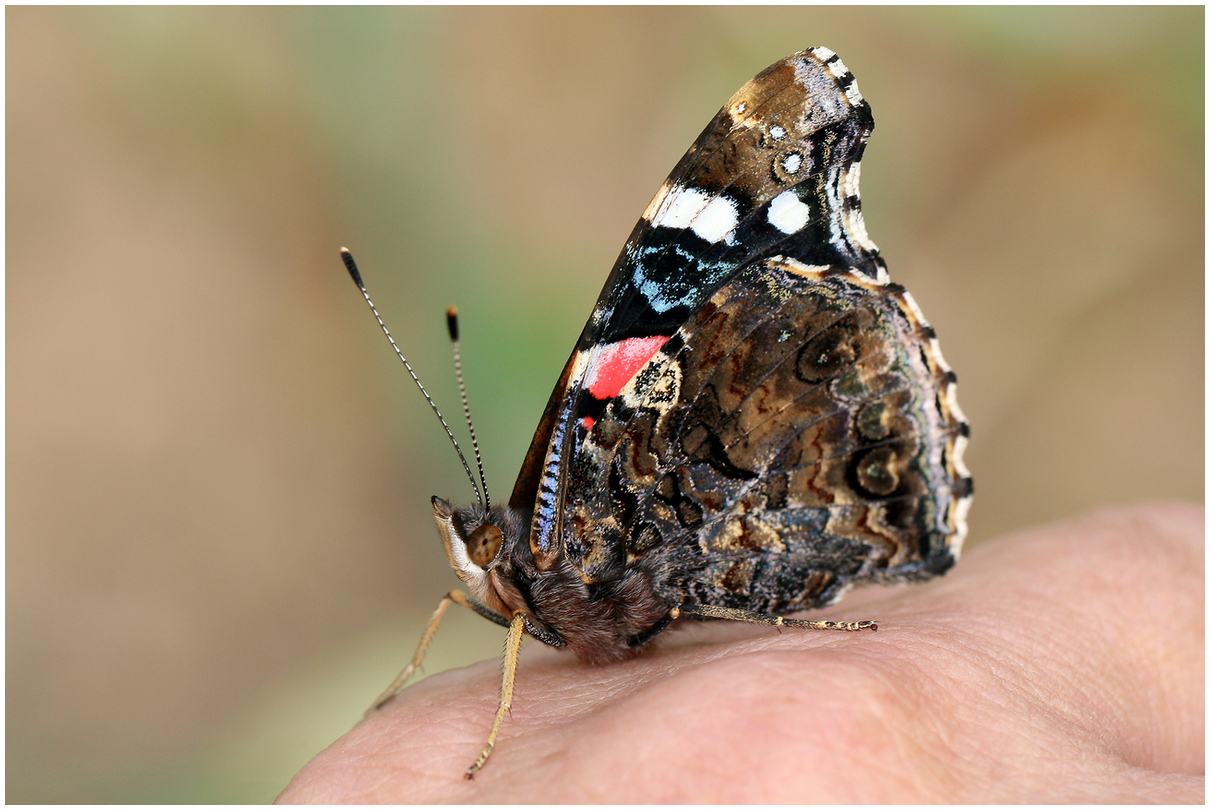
(792, 439)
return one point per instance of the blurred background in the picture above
(219, 540)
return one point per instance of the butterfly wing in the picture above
(683, 426)
(799, 433)
(774, 172)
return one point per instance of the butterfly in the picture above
(754, 419)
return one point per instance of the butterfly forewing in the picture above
(774, 173)
(763, 178)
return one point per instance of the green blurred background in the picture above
(219, 540)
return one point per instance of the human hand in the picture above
(1062, 664)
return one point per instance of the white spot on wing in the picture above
(787, 213)
(678, 208)
(717, 221)
(712, 218)
(791, 163)
(776, 132)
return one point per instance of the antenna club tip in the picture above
(351, 266)
(451, 322)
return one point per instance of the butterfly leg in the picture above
(512, 647)
(451, 598)
(731, 614)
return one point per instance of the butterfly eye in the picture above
(483, 544)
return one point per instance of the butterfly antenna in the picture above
(351, 266)
(451, 321)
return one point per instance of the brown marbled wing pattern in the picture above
(805, 442)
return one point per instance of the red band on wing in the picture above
(617, 363)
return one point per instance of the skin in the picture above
(1062, 664)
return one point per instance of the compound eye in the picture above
(483, 544)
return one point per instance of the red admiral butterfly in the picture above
(753, 420)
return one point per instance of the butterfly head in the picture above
(475, 541)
